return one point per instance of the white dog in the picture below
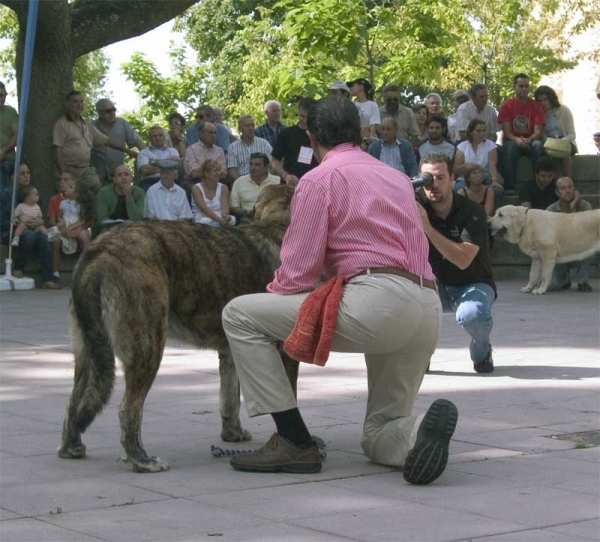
(548, 238)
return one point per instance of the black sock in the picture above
(291, 427)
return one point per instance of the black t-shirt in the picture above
(120, 212)
(467, 221)
(287, 148)
(539, 199)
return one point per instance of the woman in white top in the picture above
(559, 123)
(210, 198)
(479, 150)
(370, 118)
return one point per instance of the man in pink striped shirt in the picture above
(351, 216)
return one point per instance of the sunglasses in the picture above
(113, 110)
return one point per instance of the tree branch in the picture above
(96, 24)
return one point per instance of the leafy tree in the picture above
(66, 31)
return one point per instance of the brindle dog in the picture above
(144, 281)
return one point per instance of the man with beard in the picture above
(404, 116)
(435, 143)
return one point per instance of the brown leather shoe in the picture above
(51, 285)
(279, 455)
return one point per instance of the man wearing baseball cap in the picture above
(165, 200)
(459, 97)
(339, 88)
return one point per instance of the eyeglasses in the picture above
(111, 110)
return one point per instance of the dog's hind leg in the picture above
(140, 342)
(232, 430)
(93, 381)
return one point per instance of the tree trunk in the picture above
(66, 31)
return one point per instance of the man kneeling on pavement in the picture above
(355, 219)
(460, 258)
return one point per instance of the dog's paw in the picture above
(526, 289)
(76, 451)
(235, 434)
(149, 464)
(539, 291)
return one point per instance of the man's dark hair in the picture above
(437, 158)
(177, 116)
(260, 155)
(438, 118)
(544, 163)
(391, 88)
(549, 93)
(519, 76)
(476, 87)
(333, 121)
(2, 86)
(74, 93)
(306, 103)
(209, 112)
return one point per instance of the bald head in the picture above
(565, 189)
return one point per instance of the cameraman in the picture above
(459, 256)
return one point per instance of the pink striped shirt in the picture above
(350, 213)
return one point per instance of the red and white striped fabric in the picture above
(350, 213)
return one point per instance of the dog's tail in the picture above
(92, 348)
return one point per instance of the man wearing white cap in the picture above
(165, 200)
(339, 88)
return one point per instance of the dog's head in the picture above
(273, 204)
(510, 221)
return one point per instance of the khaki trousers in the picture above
(87, 175)
(393, 321)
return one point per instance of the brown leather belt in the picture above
(400, 273)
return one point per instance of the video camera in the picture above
(422, 180)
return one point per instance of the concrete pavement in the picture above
(509, 477)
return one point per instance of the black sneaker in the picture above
(486, 365)
(581, 287)
(429, 457)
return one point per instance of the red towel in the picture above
(311, 338)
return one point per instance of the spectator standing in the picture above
(203, 150)
(370, 117)
(165, 200)
(435, 143)
(433, 102)
(340, 89)
(119, 202)
(522, 120)
(540, 193)
(247, 188)
(272, 127)
(73, 138)
(238, 157)
(149, 158)
(393, 151)
(205, 113)
(9, 123)
(210, 198)
(176, 133)
(104, 159)
(559, 123)
(293, 155)
(459, 97)
(405, 118)
(569, 202)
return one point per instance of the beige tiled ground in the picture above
(507, 479)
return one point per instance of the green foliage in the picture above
(89, 73)
(250, 51)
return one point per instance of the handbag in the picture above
(557, 148)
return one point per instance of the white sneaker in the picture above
(53, 233)
(15, 242)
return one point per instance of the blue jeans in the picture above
(473, 306)
(511, 154)
(31, 243)
(6, 192)
(562, 273)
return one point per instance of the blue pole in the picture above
(32, 14)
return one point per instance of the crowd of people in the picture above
(211, 174)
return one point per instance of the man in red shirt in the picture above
(351, 216)
(522, 119)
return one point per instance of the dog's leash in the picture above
(217, 451)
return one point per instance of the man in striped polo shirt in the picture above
(352, 216)
(238, 157)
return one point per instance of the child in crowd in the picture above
(475, 190)
(55, 201)
(28, 212)
(75, 217)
